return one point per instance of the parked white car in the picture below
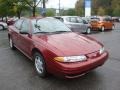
(3, 26)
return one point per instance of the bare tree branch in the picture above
(38, 2)
(28, 3)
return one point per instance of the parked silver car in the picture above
(75, 23)
(3, 26)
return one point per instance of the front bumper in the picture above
(74, 70)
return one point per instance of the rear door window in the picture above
(73, 19)
(18, 24)
(25, 26)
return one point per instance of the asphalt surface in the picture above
(17, 72)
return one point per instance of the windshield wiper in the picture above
(41, 32)
(52, 32)
(61, 31)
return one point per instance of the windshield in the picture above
(48, 25)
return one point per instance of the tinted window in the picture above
(59, 18)
(79, 20)
(107, 19)
(18, 24)
(68, 19)
(95, 19)
(73, 19)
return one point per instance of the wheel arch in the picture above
(36, 50)
(2, 26)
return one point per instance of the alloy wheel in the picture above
(88, 31)
(40, 65)
(113, 27)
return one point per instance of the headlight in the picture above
(71, 58)
(101, 50)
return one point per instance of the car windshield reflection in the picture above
(47, 25)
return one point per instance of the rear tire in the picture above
(40, 66)
(88, 31)
(102, 28)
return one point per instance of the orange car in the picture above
(102, 23)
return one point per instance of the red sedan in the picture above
(54, 48)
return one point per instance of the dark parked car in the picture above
(116, 19)
(76, 23)
(54, 48)
(3, 25)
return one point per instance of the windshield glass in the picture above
(48, 25)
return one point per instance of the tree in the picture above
(79, 7)
(71, 12)
(7, 10)
(116, 7)
(101, 11)
(19, 6)
(32, 4)
(50, 12)
(100, 7)
(12, 7)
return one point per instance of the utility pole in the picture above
(59, 8)
(44, 8)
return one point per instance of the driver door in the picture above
(25, 41)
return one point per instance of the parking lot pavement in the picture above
(17, 72)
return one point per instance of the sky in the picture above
(64, 3)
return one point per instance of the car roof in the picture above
(66, 16)
(31, 18)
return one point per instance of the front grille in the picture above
(93, 55)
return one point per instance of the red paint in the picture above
(63, 44)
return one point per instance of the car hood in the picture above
(71, 43)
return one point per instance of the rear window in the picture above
(95, 19)
(74, 19)
(107, 19)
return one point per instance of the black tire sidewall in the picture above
(2, 27)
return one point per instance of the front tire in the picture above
(39, 65)
(11, 44)
(113, 27)
(1, 27)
